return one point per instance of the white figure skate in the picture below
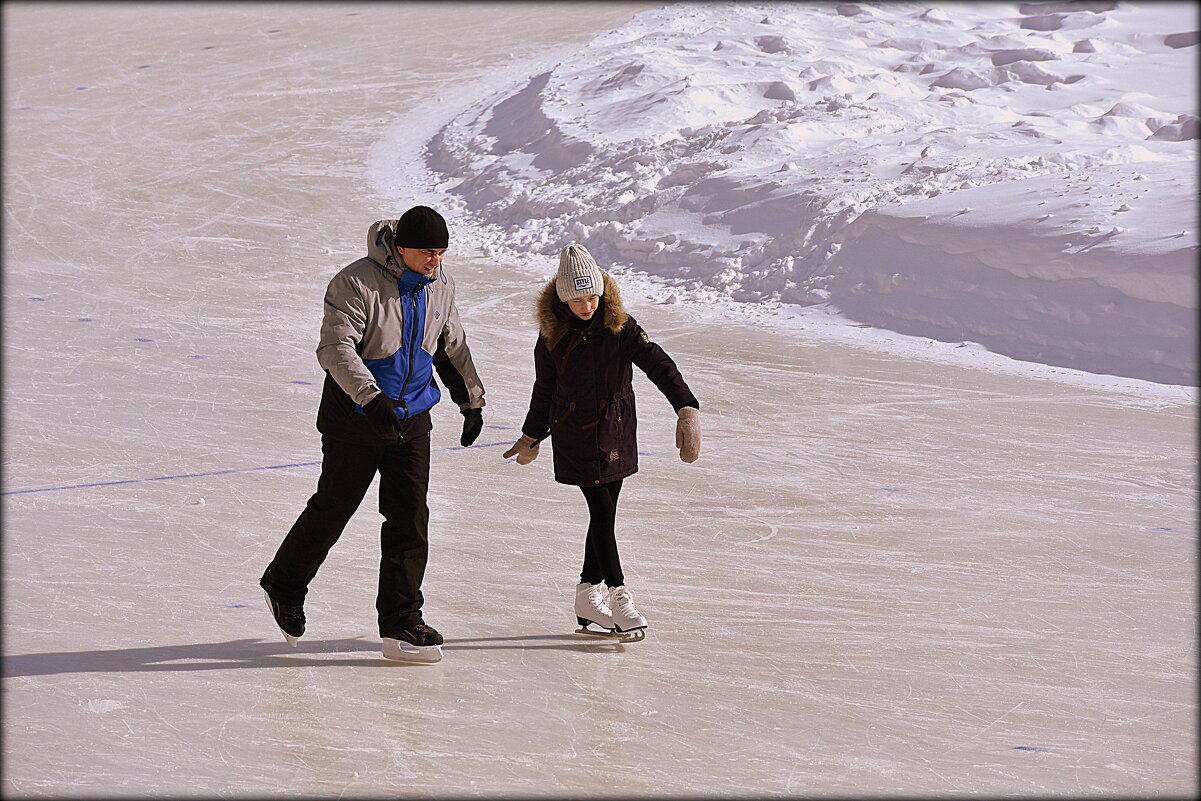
(591, 609)
(627, 620)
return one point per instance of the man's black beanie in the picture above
(421, 227)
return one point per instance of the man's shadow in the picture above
(253, 653)
(257, 653)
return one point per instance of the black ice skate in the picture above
(290, 619)
(416, 643)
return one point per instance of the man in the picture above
(390, 322)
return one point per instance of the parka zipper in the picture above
(412, 354)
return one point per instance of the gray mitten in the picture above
(688, 433)
(525, 449)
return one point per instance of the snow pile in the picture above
(1018, 175)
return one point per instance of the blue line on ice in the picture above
(214, 472)
(162, 478)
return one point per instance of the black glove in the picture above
(473, 424)
(380, 415)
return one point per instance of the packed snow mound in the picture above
(1029, 270)
(736, 147)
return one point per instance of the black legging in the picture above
(601, 562)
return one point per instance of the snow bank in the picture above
(1026, 269)
(1019, 175)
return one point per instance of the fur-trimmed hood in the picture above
(583, 395)
(554, 316)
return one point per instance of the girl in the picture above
(583, 397)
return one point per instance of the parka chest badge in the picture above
(437, 314)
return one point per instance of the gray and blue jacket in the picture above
(388, 329)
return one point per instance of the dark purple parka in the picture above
(583, 397)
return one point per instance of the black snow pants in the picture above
(347, 470)
(601, 562)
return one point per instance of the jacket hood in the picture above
(382, 250)
(555, 318)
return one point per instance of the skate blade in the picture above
(595, 632)
(401, 651)
(635, 635)
(288, 638)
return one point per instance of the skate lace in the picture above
(624, 601)
(422, 634)
(597, 600)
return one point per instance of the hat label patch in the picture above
(583, 282)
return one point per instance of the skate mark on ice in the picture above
(774, 530)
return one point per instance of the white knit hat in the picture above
(578, 274)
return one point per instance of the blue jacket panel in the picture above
(388, 329)
(407, 375)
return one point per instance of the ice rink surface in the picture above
(885, 576)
